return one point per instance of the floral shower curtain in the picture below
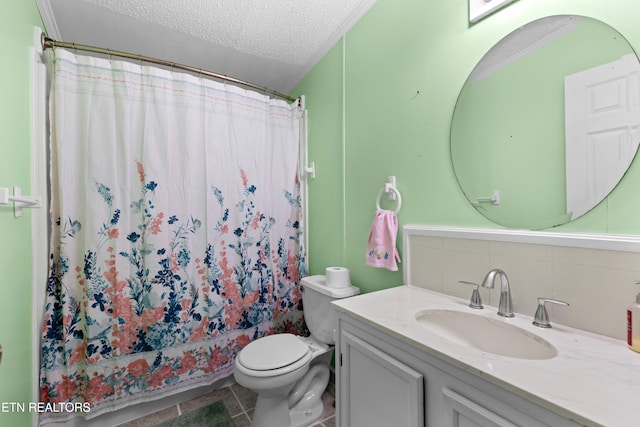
(176, 231)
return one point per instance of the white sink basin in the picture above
(486, 334)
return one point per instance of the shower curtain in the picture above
(176, 232)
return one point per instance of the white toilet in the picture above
(289, 373)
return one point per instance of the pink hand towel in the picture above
(381, 247)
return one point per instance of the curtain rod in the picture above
(48, 43)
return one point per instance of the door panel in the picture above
(602, 124)
(381, 391)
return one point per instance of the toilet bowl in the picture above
(288, 395)
(289, 373)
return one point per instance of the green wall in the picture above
(380, 103)
(17, 21)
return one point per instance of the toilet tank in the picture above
(319, 314)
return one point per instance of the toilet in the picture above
(289, 373)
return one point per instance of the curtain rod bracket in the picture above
(19, 202)
(311, 170)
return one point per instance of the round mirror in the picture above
(548, 122)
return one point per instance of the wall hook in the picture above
(19, 201)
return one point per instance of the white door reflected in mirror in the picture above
(602, 125)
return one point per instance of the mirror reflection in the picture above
(548, 122)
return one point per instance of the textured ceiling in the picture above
(271, 43)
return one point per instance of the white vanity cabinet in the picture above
(385, 381)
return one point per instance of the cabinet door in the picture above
(378, 389)
(466, 413)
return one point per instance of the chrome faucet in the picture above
(505, 307)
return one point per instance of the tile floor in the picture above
(239, 402)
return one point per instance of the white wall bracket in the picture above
(19, 202)
(494, 198)
(389, 187)
(311, 170)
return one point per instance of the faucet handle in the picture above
(476, 301)
(541, 318)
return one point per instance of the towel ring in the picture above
(386, 189)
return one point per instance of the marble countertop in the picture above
(594, 380)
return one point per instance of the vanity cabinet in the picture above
(382, 380)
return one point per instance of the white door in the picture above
(602, 123)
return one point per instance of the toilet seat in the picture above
(273, 355)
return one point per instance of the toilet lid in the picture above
(272, 352)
